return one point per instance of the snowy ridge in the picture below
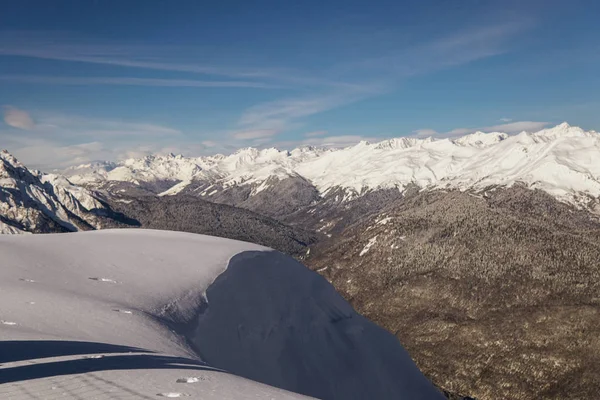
(104, 313)
(562, 161)
(153, 293)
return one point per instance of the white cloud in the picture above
(461, 131)
(505, 119)
(48, 154)
(209, 143)
(448, 51)
(338, 141)
(425, 132)
(284, 114)
(131, 81)
(255, 134)
(284, 110)
(60, 125)
(18, 118)
(510, 128)
(57, 140)
(315, 134)
(516, 127)
(158, 58)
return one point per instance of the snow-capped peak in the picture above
(9, 159)
(400, 143)
(481, 139)
(563, 130)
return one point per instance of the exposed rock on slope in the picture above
(494, 294)
(33, 202)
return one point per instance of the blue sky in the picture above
(87, 80)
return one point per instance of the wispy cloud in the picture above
(334, 141)
(57, 140)
(339, 141)
(34, 45)
(425, 132)
(156, 58)
(449, 51)
(255, 134)
(19, 119)
(510, 128)
(132, 81)
(293, 108)
(283, 114)
(209, 143)
(518, 126)
(315, 134)
(61, 126)
(49, 153)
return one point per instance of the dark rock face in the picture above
(494, 295)
(331, 214)
(191, 214)
(281, 197)
(270, 319)
(142, 189)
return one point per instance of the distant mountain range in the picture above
(560, 160)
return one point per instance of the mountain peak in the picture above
(399, 143)
(9, 158)
(562, 130)
(481, 139)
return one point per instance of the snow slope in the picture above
(562, 161)
(130, 312)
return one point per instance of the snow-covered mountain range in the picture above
(562, 161)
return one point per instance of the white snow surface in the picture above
(368, 246)
(132, 302)
(83, 277)
(563, 160)
(108, 287)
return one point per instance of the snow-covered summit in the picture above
(563, 130)
(562, 160)
(401, 143)
(8, 158)
(481, 139)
